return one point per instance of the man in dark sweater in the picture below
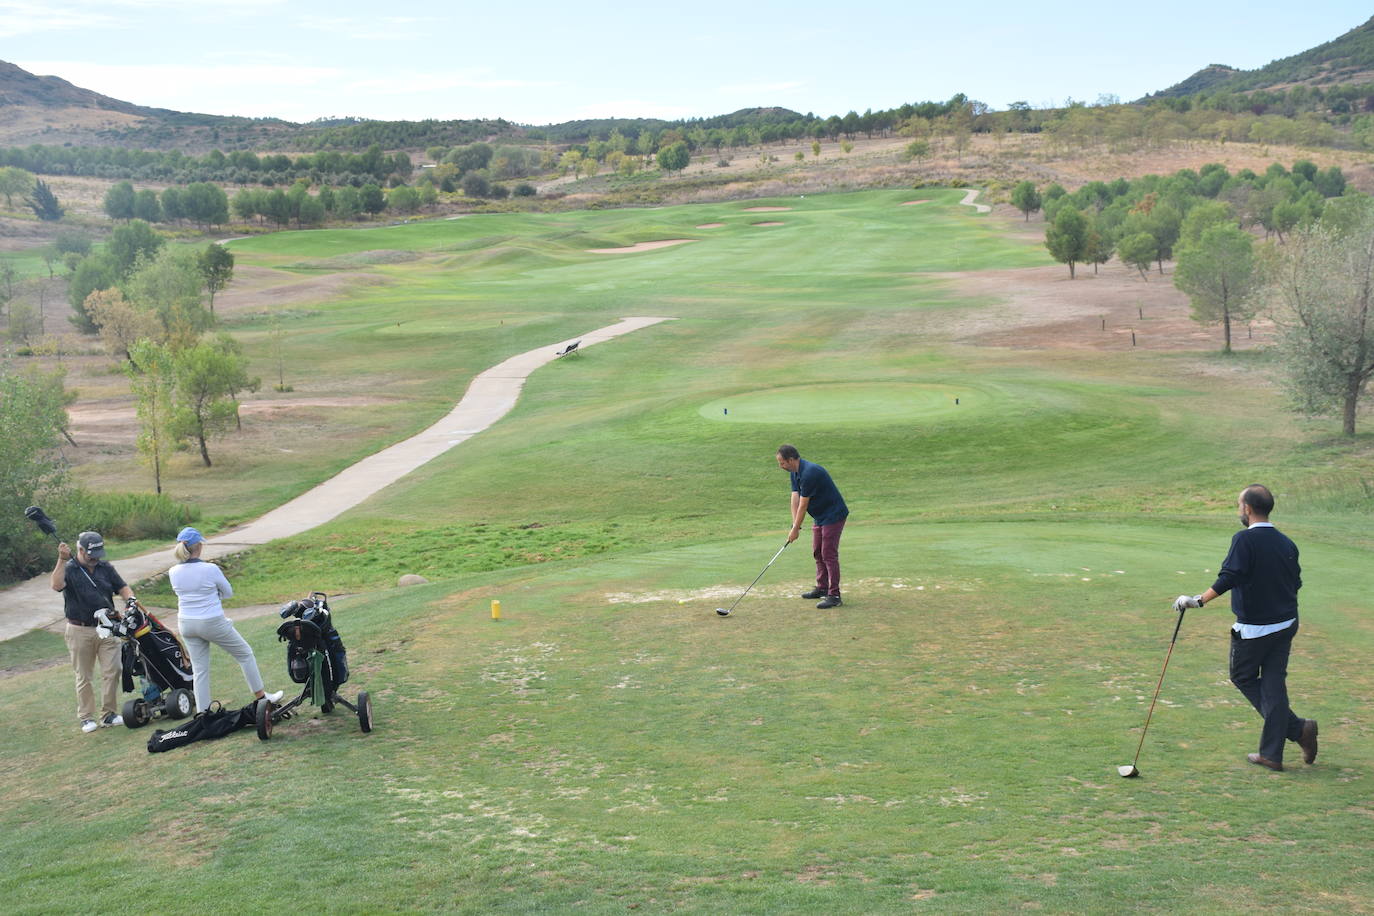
(814, 493)
(1262, 574)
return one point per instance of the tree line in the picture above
(238, 167)
(1313, 272)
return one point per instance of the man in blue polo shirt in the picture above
(814, 493)
(1262, 574)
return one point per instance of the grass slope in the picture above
(945, 743)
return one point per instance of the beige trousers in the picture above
(85, 647)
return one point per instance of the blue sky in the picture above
(538, 62)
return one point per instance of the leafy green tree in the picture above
(130, 242)
(1100, 245)
(403, 199)
(33, 417)
(121, 324)
(1026, 198)
(170, 285)
(1321, 284)
(1138, 250)
(475, 184)
(44, 203)
(1203, 216)
(675, 157)
(147, 207)
(217, 269)
(173, 203)
(348, 203)
(119, 201)
(206, 204)
(14, 180)
(1219, 276)
(94, 273)
(208, 376)
(1286, 216)
(151, 370)
(373, 199)
(1067, 237)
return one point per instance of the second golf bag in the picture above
(157, 657)
(316, 659)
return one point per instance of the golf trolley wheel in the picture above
(365, 711)
(135, 713)
(264, 719)
(180, 704)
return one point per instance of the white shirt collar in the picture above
(1261, 524)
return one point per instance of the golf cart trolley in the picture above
(156, 655)
(315, 658)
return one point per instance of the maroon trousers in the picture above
(825, 547)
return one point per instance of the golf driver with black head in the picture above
(1130, 770)
(45, 524)
(726, 612)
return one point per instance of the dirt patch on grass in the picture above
(642, 246)
(1040, 308)
(768, 224)
(111, 422)
(259, 288)
(710, 225)
(766, 209)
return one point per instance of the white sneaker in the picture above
(273, 697)
(89, 726)
(110, 719)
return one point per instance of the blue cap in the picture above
(190, 537)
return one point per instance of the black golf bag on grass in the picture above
(157, 657)
(315, 659)
(215, 722)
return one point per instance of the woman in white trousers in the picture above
(200, 587)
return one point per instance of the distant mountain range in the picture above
(51, 111)
(1348, 60)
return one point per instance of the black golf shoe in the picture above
(814, 594)
(830, 601)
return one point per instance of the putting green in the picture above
(863, 403)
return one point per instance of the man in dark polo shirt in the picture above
(814, 493)
(87, 584)
(1262, 574)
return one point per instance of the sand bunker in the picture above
(642, 246)
(710, 225)
(765, 209)
(768, 224)
(912, 203)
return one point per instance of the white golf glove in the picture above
(1182, 602)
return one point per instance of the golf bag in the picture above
(157, 657)
(215, 722)
(315, 659)
(309, 626)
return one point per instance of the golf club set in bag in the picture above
(315, 658)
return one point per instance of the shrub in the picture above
(128, 516)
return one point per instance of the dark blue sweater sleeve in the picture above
(1235, 567)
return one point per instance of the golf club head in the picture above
(40, 518)
(1128, 771)
(723, 611)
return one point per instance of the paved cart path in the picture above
(33, 604)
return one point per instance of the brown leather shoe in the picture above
(1308, 740)
(1264, 762)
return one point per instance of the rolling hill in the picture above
(1348, 60)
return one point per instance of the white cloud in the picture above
(23, 18)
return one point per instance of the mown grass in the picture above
(945, 743)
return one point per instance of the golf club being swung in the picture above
(1129, 771)
(726, 612)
